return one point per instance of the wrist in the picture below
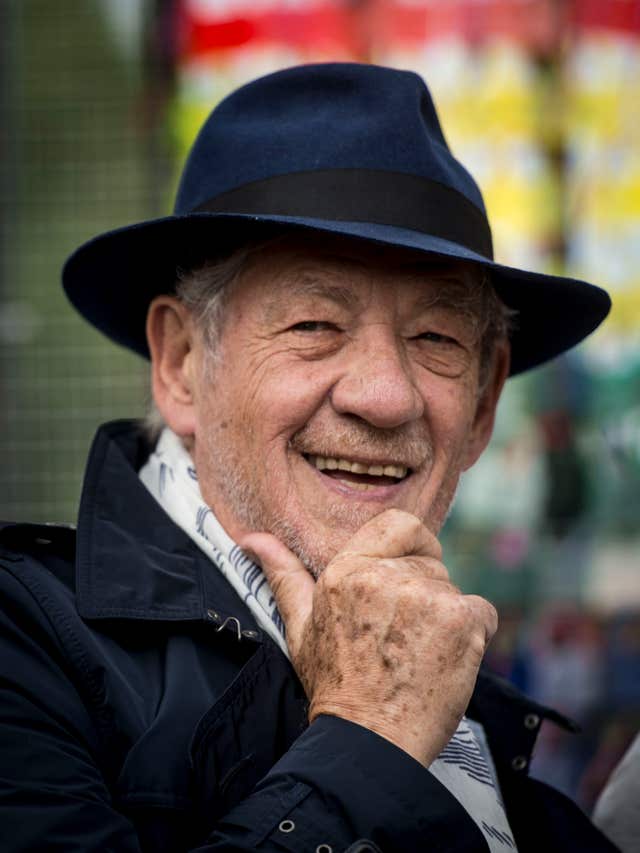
(401, 729)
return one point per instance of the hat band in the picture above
(364, 195)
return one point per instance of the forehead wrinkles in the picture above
(348, 282)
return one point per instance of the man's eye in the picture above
(312, 326)
(435, 337)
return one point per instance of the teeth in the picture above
(394, 471)
(332, 464)
(361, 487)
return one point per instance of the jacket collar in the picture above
(132, 561)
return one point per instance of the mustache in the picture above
(409, 445)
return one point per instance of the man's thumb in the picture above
(291, 584)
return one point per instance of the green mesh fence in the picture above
(79, 156)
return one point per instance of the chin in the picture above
(315, 550)
(316, 545)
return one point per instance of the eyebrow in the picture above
(446, 289)
(449, 297)
(310, 286)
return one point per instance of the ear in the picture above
(487, 404)
(172, 341)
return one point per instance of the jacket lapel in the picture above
(132, 561)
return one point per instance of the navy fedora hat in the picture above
(339, 148)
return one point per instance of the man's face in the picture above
(346, 384)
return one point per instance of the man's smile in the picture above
(376, 469)
(379, 478)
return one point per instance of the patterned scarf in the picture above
(464, 767)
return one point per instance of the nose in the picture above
(377, 384)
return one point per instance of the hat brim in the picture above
(112, 279)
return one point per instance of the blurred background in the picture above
(99, 102)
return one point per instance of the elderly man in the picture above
(251, 642)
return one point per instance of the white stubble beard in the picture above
(239, 495)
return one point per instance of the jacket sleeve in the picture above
(52, 795)
(337, 783)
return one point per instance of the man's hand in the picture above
(383, 638)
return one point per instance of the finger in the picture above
(290, 582)
(486, 614)
(422, 566)
(393, 533)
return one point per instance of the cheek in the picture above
(450, 411)
(279, 402)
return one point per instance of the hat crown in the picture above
(321, 117)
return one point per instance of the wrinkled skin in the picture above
(331, 349)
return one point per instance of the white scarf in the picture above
(464, 767)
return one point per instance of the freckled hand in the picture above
(383, 638)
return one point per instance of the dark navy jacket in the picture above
(135, 715)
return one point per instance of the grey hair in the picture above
(496, 323)
(205, 287)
